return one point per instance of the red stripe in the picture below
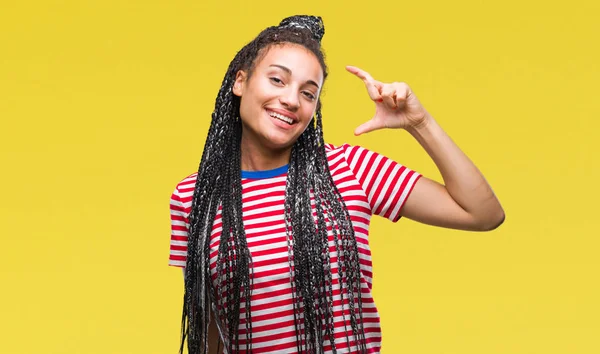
(392, 189)
(377, 169)
(276, 271)
(381, 182)
(399, 193)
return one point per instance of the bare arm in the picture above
(466, 201)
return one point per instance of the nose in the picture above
(289, 99)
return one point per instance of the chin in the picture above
(280, 142)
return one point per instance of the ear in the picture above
(238, 84)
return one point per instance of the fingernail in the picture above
(380, 100)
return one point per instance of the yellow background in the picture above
(104, 107)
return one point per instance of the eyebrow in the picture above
(287, 70)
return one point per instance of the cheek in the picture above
(247, 108)
(310, 117)
(309, 110)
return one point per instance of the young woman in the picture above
(272, 231)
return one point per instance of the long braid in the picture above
(349, 244)
(209, 187)
(313, 207)
(313, 274)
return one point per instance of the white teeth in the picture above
(288, 120)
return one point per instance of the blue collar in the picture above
(266, 173)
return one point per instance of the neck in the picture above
(257, 157)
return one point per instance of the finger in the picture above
(402, 92)
(360, 73)
(400, 102)
(388, 94)
(367, 127)
(371, 84)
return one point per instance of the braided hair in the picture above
(218, 185)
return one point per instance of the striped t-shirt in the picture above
(369, 183)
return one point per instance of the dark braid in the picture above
(309, 180)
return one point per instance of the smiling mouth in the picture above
(281, 117)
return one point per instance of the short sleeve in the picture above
(179, 230)
(386, 183)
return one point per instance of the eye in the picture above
(276, 80)
(309, 95)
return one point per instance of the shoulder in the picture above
(352, 154)
(333, 150)
(336, 154)
(186, 185)
(330, 147)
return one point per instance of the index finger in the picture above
(363, 75)
(367, 79)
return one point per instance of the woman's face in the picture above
(279, 99)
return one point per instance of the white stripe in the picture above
(177, 263)
(246, 204)
(178, 253)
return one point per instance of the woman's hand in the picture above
(396, 106)
(466, 201)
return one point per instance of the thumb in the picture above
(366, 127)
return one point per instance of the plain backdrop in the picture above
(105, 105)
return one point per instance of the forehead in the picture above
(303, 64)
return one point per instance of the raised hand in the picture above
(396, 106)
